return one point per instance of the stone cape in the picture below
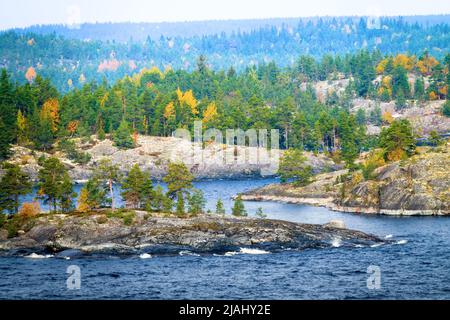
(416, 186)
(204, 234)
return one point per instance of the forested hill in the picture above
(70, 57)
(123, 32)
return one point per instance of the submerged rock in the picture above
(69, 235)
(338, 224)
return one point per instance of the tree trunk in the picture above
(111, 194)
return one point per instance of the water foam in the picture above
(39, 256)
(336, 243)
(252, 251)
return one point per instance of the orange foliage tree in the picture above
(30, 75)
(30, 209)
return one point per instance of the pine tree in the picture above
(55, 185)
(180, 209)
(400, 102)
(292, 166)
(137, 188)
(238, 209)
(159, 201)
(96, 193)
(5, 141)
(419, 89)
(196, 202)
(446, 109)
(219, 207)
(178, 179)
(350, 145)
(8, 115)
(13, 184)
(108, 174)
(398, 140)
(400, 82)
(66, 194)
(122, 136)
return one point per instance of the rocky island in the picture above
(137, 232)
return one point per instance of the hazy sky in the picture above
(20, 13)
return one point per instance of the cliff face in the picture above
(417, 186)
(137, 232)
(153, 154)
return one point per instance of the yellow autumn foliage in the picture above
(381, 67)
(387, 117)
(210, 113)
(426, 65)
(169, 111)
(188, 99)
(405, 61)
(83, 205)
(50, 110)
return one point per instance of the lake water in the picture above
(415, 266)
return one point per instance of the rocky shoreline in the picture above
(417, 186)
(69, 234)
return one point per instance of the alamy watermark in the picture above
(374, 278)
(73, 281)
(258, 149)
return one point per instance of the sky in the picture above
(22, 13)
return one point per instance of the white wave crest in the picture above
(39, 256)
(252, 251)
(231, 253)
(389, 236)
(402, 242)
(188, 253)
(145, 256)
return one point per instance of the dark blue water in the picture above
(415, 266)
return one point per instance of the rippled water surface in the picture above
(415, 266)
